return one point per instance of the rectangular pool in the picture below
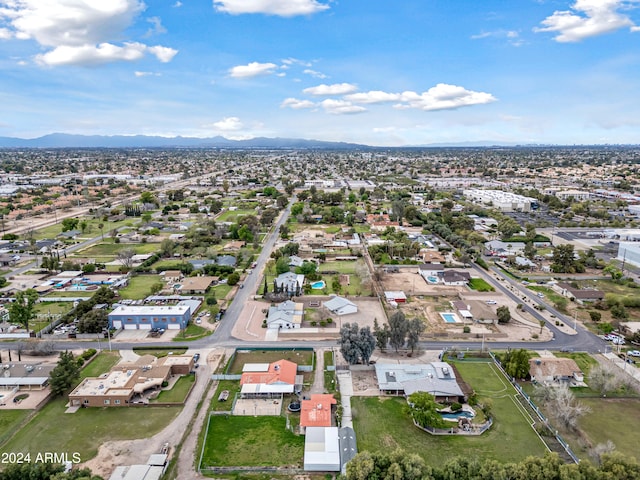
(449, 317)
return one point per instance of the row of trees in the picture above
(356, 344)
(400, 465)
(398, 332)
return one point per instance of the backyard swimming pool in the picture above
(450, 317)
(456, 415)
(432, 279)
(318, 285)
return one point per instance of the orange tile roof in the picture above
(282, 371)
(317, 411)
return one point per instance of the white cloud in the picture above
(374, 96)
(5, 34)
(90, 55)
(228, 124)
(513, 37)
(297, 104)
(335, 89)
(78, 32)
(157, 28)
(282, 8)
(313, 73)
(295, 61)
(146, 74)
(253, 69)
(164, 54)
(340, 107)
(443, 97)
(178, 4)
(587, 18)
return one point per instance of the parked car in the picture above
(491, 302)
(634, 353)
(618, 341)
(196, 357)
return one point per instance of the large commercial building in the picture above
(629, 252)
(134, 317)
(503, 201)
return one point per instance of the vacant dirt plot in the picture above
(258, 406)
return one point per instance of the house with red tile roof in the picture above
(269, 380)
(317, 412)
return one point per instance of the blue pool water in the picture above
(457, 415)
(432, 279)
(449, 317)
(78, 288)
(318, 285)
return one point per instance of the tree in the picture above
(125, 257)
(22, 309)
(595, 315)
(65, 373)
(356, 345)
(607, 378)
(563, 260)
(94, 321)
(398, 327)
(167, 247)
(504, 315)
(380, 465)
(282, 265)
(44, 471)
(414, 328)
(69, 224)
(233, 279)
(564, 406)
(516, 363)
(613, 270)
(381, 334)
(424, 410)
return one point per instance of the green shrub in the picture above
(455, 407)
(466, 329)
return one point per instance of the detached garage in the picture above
(341, 306)
(322, 449)
(169, 317)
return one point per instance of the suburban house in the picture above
(285, 315)
(340, 306)
(463, 309)
(196, 285)
(455, 278)
(553, 370)
(171, 276)
(503, 249)
(24, 376)
(431, 256)
(317, 412)
(125, 384)
(269, 380)
(431, 271)
(146, 317)
(295, 261)
(226, 260)
(234, 246)
(289, 282)
(436, 378)
(579, 295)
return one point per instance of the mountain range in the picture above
(63, 140)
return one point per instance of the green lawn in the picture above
(102, 363)
(382, 424)
(233, 386)
(139, 287)
(179, 391)
(300, 357)
(192, 332)
(251, 441)
(610, 419)
(91, 231)
(10, 420)
(348, 267)
(480, 285)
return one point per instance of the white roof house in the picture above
(322, 449)
(436, 378)
(285, 315)
(341, 306)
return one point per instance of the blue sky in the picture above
(410, 72)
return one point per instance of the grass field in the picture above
(192, 332)
(480, 285)
(9, 420)
(91, 231)
(251, 441)
(233, 386)
(139, 287)
(179, 391)
(610, 419)
(382, 424)
(300, 357)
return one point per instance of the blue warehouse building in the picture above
(169, 317)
